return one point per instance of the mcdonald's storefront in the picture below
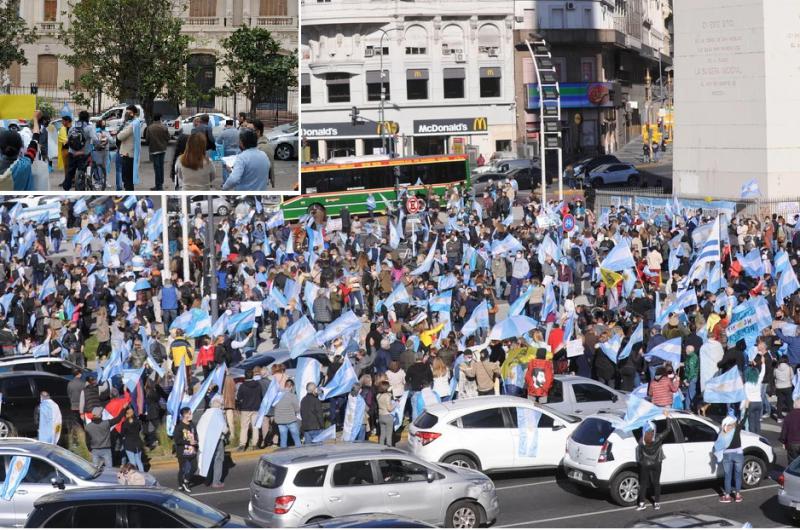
(445, 136)
(328, 140)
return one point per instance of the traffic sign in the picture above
(568, 223)
(414, 205)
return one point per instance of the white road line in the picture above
(600, 512)
(220, 492)
(525, 485)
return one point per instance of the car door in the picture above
(8, 515)
(591, 398)
(672, 469)
(552, 440)
(144, 516)
(354, 488)
(18, 403)
(35, 484)
(557, 400)
(98, 516)
(698, 448)
(409, 493)
(485, 434)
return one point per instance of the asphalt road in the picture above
(547, 499)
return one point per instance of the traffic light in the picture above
(354, 116)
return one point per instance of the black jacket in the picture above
(185, 438)
(249, 395)
(311, 414)
(652, 454)
(419, 376)
(132, 435)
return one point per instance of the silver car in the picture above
(789, 493)
(284, 142)
(292, 487)
(580, 396)
(51, 468)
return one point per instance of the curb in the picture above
(167, 462)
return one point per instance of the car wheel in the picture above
(597, 182)
(461, 460)
(463, 514)
(633, 181)
(625, 488)
(7, 429)
(753, 471)
(284, 152)
(222, 211)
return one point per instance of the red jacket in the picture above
(539, 377)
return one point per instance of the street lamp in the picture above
(381, 110)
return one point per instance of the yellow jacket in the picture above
(426, 337)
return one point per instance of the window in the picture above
(556, 394)
(50, 10)
(592, 431)
(357, 473)
(203, 8)
(587, 70)
(660, 426)
(62, 519)
(47, 71)
(148, 517)
(489, 40)
(17, 387)
(377, 50)
(452, 39)
(545, 421)
(53, 386)
(416, 40)
(312, 477)
(273, 8)
(484, 419)
(502, 145)
(399, 471)
(587, 18)
(305, 88)
(454, 83)
(695, 431)
(490, 82)
(101, 516)
(557, 18)
(417, 84)
(57, 368)
(416, 50)
(587, 393)
(374, 85)
(426, 420)
(39, 472)
(268, 475)
(560, 65)
(338, 88)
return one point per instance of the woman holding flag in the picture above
(650, 455)
(728, 452)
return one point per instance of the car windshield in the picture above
(73, 464)
(194, 511)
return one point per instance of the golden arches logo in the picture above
(480, 124)
(389, 127)
(417, 74)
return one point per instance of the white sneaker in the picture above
(642, 506)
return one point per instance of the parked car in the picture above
(304, 485)
(51, 365)
(21, 396)
(622, 173)
(220, 204)
(789, 492)
(573, 395)
(600, 456)
(684, 519)
(369, 520)
(480, 183)
(585, 166)
(482, 433)
(216, 121)
(284, 142)
(127, 507)
(281, 356)
(52, 468)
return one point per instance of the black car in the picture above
(127, 507)
(29, 363)
(21, 396)
(369, 520)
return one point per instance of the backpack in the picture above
(76, 140)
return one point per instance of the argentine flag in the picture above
(750, 190)
(619, 258)
(509, 244)
(636, 337)
(669, 351)
(725, 388)
(781, 261)
(787, 285)
(478, 319)
(639, 412)
(342, 381)
(327, 434)
(428, 262)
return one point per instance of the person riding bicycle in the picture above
(79, 141)
(101, 155)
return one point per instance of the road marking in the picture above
(525, 485)
(612, 510)
(219, 492)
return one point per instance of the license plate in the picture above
(575, 474)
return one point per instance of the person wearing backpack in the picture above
(80, 138)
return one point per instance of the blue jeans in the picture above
(284, 429)
(102, 455)
(310, 435)
(754, 411)
(765, 400)
(135, 459)
(118, 170)
(158, 169)
(516, 285)
(691, 393)
(733, 463)
(56, 245)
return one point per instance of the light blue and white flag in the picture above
(428, 262)
(394, 235)
(619, 258)
(273, 394)
(509, 244)
(787, 285)
(639, 412)
(300, 336)
(175, 399)
(353, 417)
(220, 326)
(79, 207)
(752, 263)
(710, 252)
(48, 288)
(241, 322)
(399, 410)
(422, 400)
(155, 226)
(716, 281)
(441, 302)
(636, 337)
(398, 296)
(131, 377)
(194, 323)
(310, 290)
(341, 382)
(669, 351)
(215, 377)
(511, 327)
(448, 281)
(611, 347)
(17, 470)
(750, 190)
(781, 262)
(210, 430)
(528, 428)
(725, 388)
(323, 436)
(275, 221)
(41, 350)
(509, 220)
(49, 422)
(478, 319)
(343, 325)
(519, 304)
(550, 304)
(307, 371)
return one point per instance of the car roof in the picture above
(324, 452)
(29, 373)
(617, 414)
(17, 359)
(481, 402)
(25, 445)
(110, 493)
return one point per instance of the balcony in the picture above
(47, 28)
(203, 21)
(274, 22)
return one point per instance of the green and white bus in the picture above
(349, 181)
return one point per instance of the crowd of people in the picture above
(384, 316)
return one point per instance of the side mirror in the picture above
(430, 477)
(558, 426)
(57, 482)
(614, 398)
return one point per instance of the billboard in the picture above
(577, 95)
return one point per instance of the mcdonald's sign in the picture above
(479, 124)
(389, 127)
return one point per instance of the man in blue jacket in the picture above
(169, 304)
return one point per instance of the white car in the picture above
(580, 396)
(114, 117)
(481, 433)
(622, 173)
(215, 119)
(602, 457)
(789, 493)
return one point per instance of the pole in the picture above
(382, 109)
(166, 273)
(211, 248)
(542, 156)
(185, 233)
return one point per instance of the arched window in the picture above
(416, 40)
(47, 71)
(489, 39)
(452, 39)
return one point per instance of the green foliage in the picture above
(130, 49)
(14, 33)
(46, 107)
(254, 65)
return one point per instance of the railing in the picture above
(47, 27)
(274, 21)
(203, 21)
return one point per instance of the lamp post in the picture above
(647, 103)
(382, 108)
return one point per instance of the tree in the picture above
(132, 50)
(254, 64)
(14, 33)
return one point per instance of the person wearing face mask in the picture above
(101, 154)
(312, 418)
(519, 271)
(130, 141)
(186, 446)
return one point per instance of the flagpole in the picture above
(211, 249)
(185, 233)
(165, 239)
